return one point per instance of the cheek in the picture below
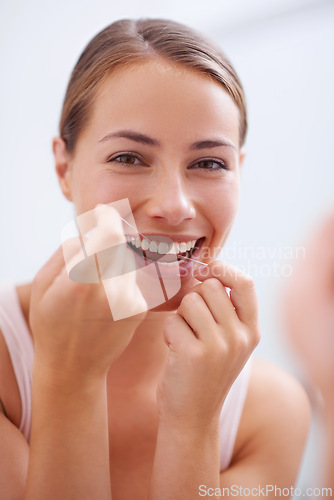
(222, 211)
(89, 190)
(223, 207)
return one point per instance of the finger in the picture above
(177, 333)
(74, 255)
(197, 315)
(243, 296)
(102, 237)
(52, 268)
(216, 298)
(101, 228)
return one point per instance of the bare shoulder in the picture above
(271, 389)
(275, 423)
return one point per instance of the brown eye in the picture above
(207, 164)
(210, 164)
(126, 158)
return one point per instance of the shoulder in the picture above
(273, 388)
(275, 421)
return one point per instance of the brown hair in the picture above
(128, 41)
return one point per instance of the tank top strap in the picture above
(231, 415)
(20, 347)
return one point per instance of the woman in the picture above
(163, 405)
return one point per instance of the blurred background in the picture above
(283, 53)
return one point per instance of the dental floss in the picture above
(128, 223)
(188, 258)
(198, 261)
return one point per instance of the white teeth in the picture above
(162, 247)
(153, 246)
(145, 244)
(135, 242)
(183, 247)
(174, 248)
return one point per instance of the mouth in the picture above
(164, 249)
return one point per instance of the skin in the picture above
(140, 391)
(308, 309)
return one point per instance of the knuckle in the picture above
(242, 342)
(211, 284)
(222, 348)
(248, 339)
(247, 282)
(200, 355)
(170, 322)
(189, 300)
(256, 337)
(80, 292)
(79, 288)
(216, 267)
(196, 354)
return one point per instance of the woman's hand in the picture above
(210, 338)
(73, 329)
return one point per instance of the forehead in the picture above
(161, 98)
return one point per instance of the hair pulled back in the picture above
(128, 41)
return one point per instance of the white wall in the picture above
(283, 51)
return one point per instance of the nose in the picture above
(170, 201)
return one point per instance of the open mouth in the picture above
(163, 249)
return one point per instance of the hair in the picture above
(127, 41)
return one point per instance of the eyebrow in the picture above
(149, 141)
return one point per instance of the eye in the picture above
(126, 159)
(210, 164)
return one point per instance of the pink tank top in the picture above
(20, 347)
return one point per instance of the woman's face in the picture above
(166, 138)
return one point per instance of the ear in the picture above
(242, 156)
(63, 166)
